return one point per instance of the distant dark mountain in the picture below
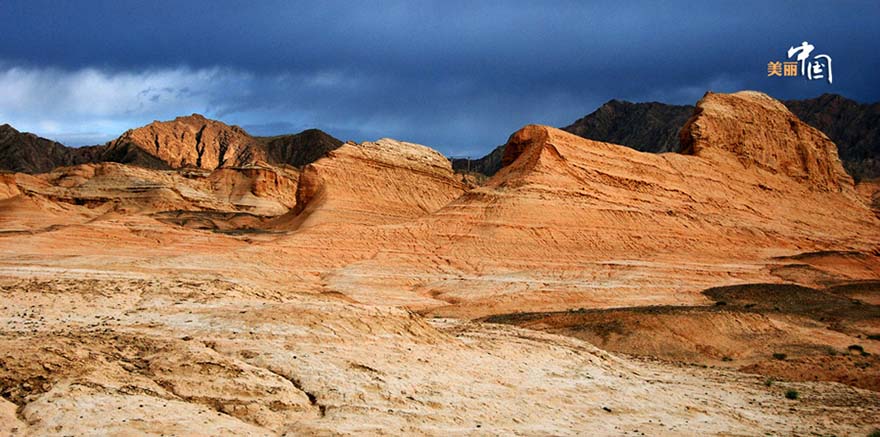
(184, 142)
(486, 165)
(28, 153)
(299, 149)
(196, 141)
(647, 127)
(187, 141)
(854, 126)
(653, 127)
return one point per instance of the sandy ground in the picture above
(192, 356)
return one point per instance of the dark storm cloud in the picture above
(459, 76)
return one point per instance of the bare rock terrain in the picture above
(371, 291)
(654, 127)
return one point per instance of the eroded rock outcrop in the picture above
(655, 127)
(195, 141)
(381, 182)
(870, 192)
(853, 126)
(624, 226)
(757, 130)
(192, 141)
(89, 190)
(568, 221)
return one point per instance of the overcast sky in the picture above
(457, 76)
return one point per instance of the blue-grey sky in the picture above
(457, 76)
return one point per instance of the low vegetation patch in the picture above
(855, 348)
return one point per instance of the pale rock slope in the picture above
(88, 191)
(757, 130)
(380, 182)
(572, 222)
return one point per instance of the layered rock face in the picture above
(757, 130)
(646, 127)
(654, 127)
(735, 180)
(562, 203)
(192, 141)
(573, 222)
(190, 171)
(222, 199)
(853, 126)
(380, 182)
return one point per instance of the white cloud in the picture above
(457, 115)
(92, 105)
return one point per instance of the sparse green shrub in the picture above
(780, 356)
(873, 336)
(726, 358)
(769, 382)
(792, 394)
(874, 433)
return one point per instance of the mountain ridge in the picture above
(646, 126)
(654, 127)
(187, 141)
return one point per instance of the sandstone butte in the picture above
(348, 295)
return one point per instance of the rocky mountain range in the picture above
(28, 153)
(647, 127)
(185, 142)
(654, 127)
(853, 126)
